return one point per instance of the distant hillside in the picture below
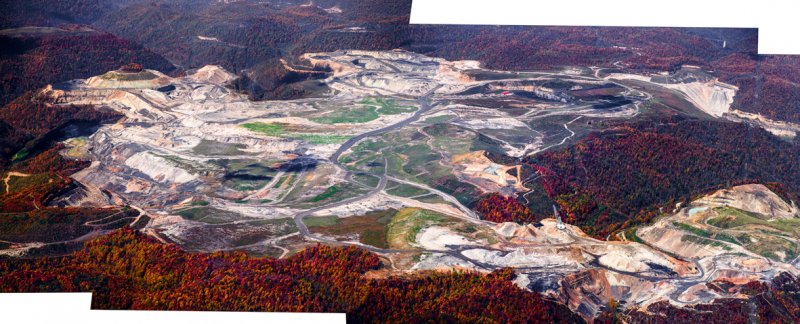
(249, 37)
(31, 60)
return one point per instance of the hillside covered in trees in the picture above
(621, 176)
(31, 60)
(29, 124)
(127, 270)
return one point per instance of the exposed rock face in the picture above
(158, 168)
(755, 198)
(421, 74)
(212, 74)
(145, 79)
(710, 96)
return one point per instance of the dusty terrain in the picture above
(364, 165)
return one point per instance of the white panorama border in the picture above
(775, 19)
(69, 308)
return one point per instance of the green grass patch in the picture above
(279, 130)
(407, 223)
(404, 190)
(729, 217)
(321, 221)
(320, 139)
(431, 199)
(19, 156)
(16, 184)
(209, 215)
(366, 179)
(269, 129)
(387, 106)
(439, 119)
(770, 246)
(348, 116)
(332, 190)
(282, 180)
(371, 228)
(704, 241)
(692, 229)
(630, 235)
(726, 238)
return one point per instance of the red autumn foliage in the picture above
(31, 62)
(28, 120)
(634, 169)
(131, 68)
(497, 208)
(127, 270)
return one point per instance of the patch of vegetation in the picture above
(692, 229)
(431, 199)
(269, 129)
(320, 139)
(59, 224)
(468, 229)
(630, 235)
(117, 76)
(407, 223)
(208, 215)
(279, 130)
(732, 218)
(366, 179)
(770, 246)
(321, 221)
(348, 116)
(369, 145)
(704, 241)
(258, 231)
(439, 119)
(207, 147)
(199, 203)
(332, 190)
(283, 179)
(387, 106)
(404, 190)
(20, 155)
(17, 184)
(453, 139)
(371, 228)
(726, 238)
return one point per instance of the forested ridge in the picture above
(30, 62)
(622, 176)
(28, 121)
(497, 208)
(250, 37)
(127, 270)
